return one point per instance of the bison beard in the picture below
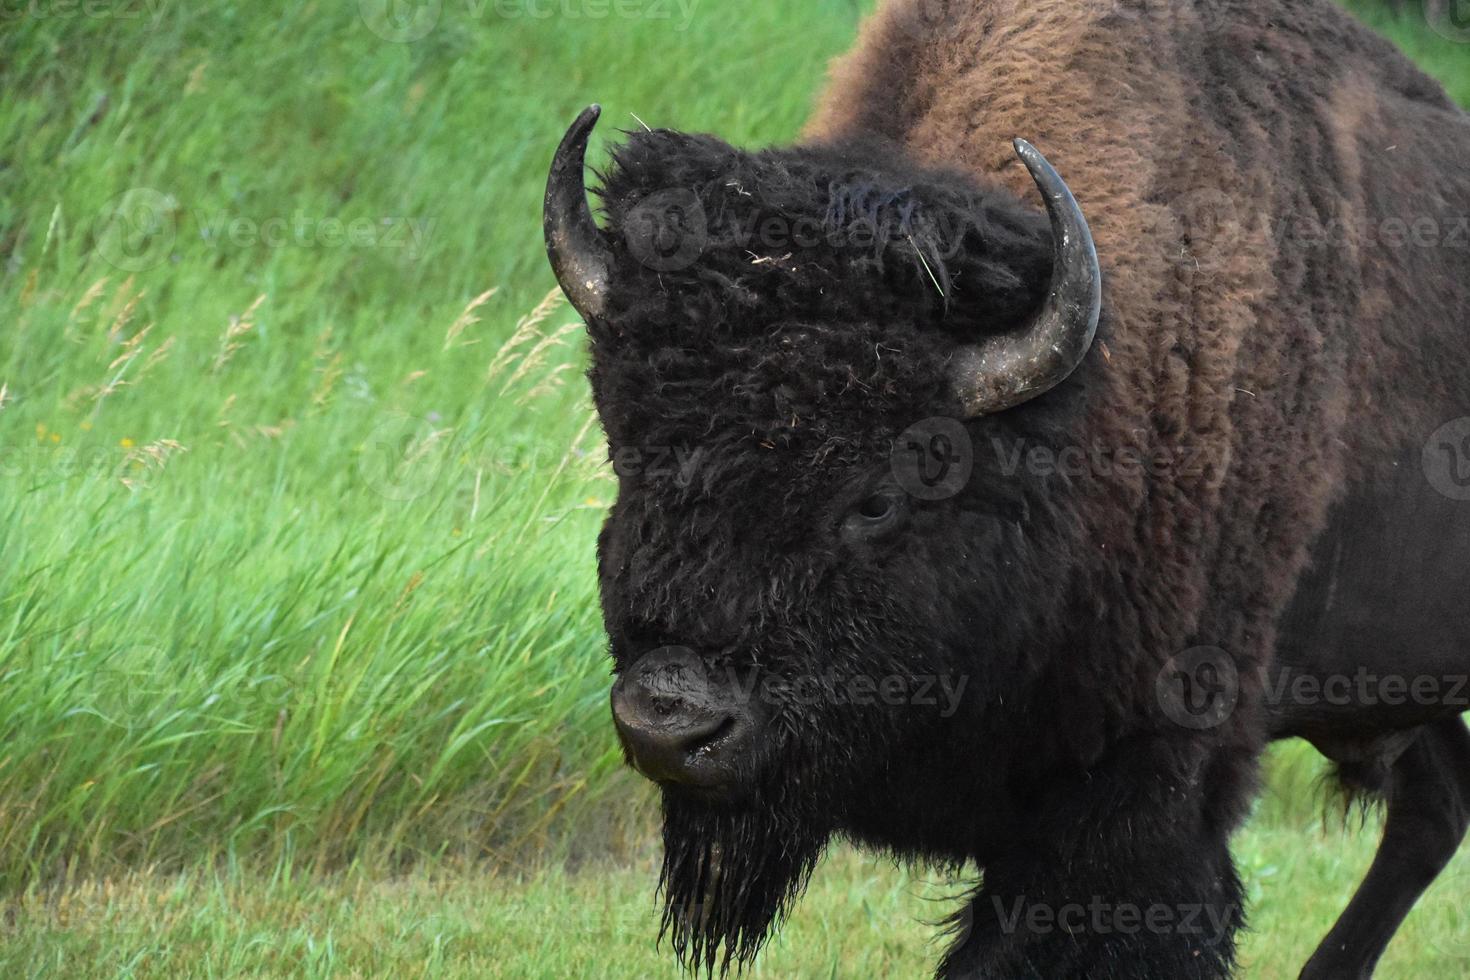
(730, 875)
(734, 865)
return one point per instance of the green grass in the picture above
(299, 486)
(1446, 55)
(862, 918)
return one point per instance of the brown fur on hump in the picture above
(1203, 140)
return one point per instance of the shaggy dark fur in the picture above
(816, 232)
(1272, 376)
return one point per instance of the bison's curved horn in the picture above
(1007, 369)
(573, 243)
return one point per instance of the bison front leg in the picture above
(1125, 878)
(1144, 922)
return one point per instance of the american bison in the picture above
(1013, 521)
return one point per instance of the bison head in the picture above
(824, 604)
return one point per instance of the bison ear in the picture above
(994, 275)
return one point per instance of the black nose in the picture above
(677, 724)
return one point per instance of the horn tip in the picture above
(586, 119)
(1029, 154)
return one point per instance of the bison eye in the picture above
(875, 508)
(874, 514)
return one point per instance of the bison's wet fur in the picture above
(1248, 363)
(728, 875)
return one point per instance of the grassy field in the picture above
(300, 664)
(862, 918)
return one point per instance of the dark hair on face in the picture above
(710, 237)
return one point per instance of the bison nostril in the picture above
(725, 728)
(703, 737)
(666, 705)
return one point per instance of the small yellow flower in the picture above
(56, 437)
(456, 532)
(125, 442)
(85, 426)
